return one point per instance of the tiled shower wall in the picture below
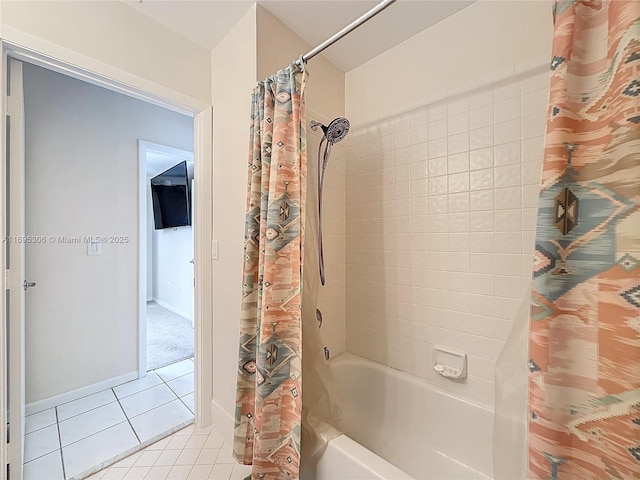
(440, 218)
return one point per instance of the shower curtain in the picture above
(584, 330)
(269, 392)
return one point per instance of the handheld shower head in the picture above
(335, 131)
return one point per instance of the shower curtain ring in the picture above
(301, 62)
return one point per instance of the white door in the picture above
(16, 284)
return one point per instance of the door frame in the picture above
(47, 55)
(145, 146)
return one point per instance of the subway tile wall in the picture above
(440, 219)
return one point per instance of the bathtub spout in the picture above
(326, 353)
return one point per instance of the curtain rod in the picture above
(345, 31)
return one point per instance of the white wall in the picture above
(232, 82)
(82, 179)
(478, 44)
(173, 270)
(441, 200)
(114, 34)
(254, 37)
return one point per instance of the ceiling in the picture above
(206, 22)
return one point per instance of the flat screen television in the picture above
(171, 197)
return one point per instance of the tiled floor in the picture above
(70, 439)
(189, 454)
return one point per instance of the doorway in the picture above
(80, 318)
(68, 241)
(166, 272)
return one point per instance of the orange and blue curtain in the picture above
(584, 383)
(269, 391)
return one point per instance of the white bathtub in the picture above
(396, 426)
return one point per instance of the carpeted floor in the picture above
(169, 337)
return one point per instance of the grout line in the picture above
(41, 428)
(64, 474)
(128, 419)
(188, 408)
(95, 433)
(144, 389)
(86, 411)
(176, 393)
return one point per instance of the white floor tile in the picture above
(148, 381)
(168, 458)
(188, 456)
(221, 472)
(183, 385)
(202, 430)
(41, 442)
(200, 472)
(215, 440)
(115, 473)
(97, 475)
(175, 370)
(81, 426)
(159, 445)
(226, 455)
(136, 473)
(240, 472)
(196, 441)
(179, 472)
(128, 461)
(157, 473)
(188, 431)
(146, 400)
(40, 420)
(97, 449)
(84, 404)
(154, 422)
(177, 441)
(48, 467)
(207, 456)
(190, 401)
(147, 458)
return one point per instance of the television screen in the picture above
(170, 194)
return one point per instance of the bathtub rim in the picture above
(348, 357)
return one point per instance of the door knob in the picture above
(29, 284)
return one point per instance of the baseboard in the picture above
(222, 420)
(173, 309)
(40, 405)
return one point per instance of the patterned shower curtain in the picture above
(269, 393)
(584, 383)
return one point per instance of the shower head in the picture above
(335, 131)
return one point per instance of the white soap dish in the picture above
(449, 363)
